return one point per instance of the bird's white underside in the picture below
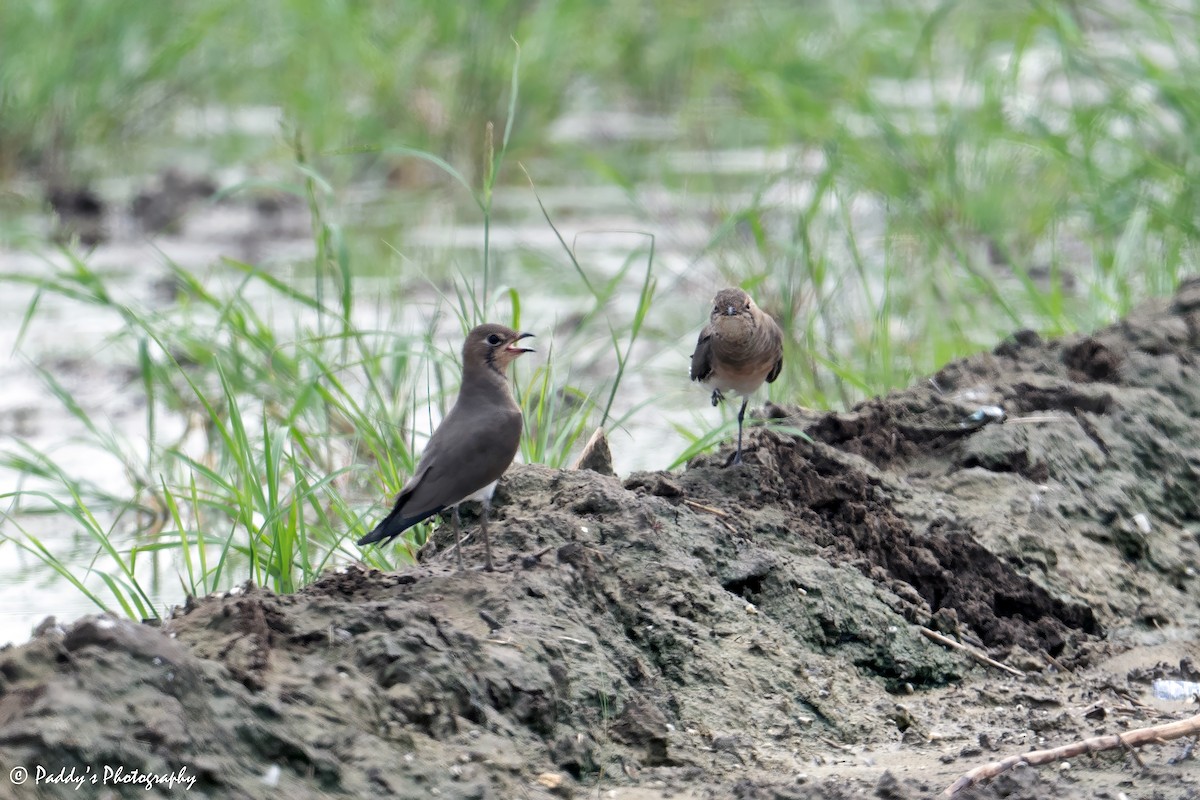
(484, 495)
(743, 385)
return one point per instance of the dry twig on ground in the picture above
(1156, 734)
(971, 651)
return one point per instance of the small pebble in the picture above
(271, 776)
(551, 780)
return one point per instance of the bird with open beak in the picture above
(472, 447)
(739, 349)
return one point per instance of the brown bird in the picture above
(472, 447)
(739, 349)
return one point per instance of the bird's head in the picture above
(494, 346)
(733, 315)
(731, 303)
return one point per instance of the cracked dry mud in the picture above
(748, 632)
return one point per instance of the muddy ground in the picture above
(748, 632)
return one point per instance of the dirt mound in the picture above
(750, 632)
(850, 516)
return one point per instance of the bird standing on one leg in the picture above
(472, 447)
(739, 349)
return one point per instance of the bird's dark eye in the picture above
(494, 339)
(747, 306)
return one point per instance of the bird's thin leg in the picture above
(737, 457)
(487, 545)
(457, 540)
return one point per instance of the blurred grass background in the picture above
(1050, 143)
(899, 184)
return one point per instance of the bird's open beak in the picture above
(515, 348)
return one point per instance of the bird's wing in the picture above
(466, 453)
(702, 357)
(775, 370)
(777, 340)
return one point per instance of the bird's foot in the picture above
(735, 459)
(717, 397)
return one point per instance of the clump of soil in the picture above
(748, 632)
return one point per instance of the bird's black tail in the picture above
(393, 525)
